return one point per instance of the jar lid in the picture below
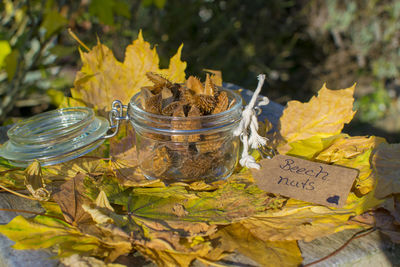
(55, 136)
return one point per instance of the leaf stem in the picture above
(16, 193)
(35, 213)
(73, 35)
(357, 235)
(211, 263)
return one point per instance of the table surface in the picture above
(373, 250)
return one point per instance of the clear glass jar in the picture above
(55, 136)
(186, 149)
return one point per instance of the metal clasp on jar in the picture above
(116, 115)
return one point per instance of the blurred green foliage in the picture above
(367, 32)
(298, 44)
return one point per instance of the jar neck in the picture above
(186, 125)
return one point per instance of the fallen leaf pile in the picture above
(101, 206)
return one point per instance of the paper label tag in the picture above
(305, 180)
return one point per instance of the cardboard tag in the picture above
(305, 180)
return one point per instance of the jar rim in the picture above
(238, 104)
(54, 136)
(21, 132)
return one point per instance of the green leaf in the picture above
(62, 51)
(45, 232)
(103, 10)
(122, 8)
(158, 3)
(5, 49)
(232, 202)
(11, 63)
(53, 21)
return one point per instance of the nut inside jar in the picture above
(184, 132)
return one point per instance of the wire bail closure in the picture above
(116, 115)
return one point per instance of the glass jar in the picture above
(169, 148)
(186, 149)
(54, 136)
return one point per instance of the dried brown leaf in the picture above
(70, 198)
(34, 182)
(179, 210)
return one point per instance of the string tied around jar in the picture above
(248, 127)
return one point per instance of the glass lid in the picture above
(55, 136)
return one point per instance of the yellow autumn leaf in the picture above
(353, 152)
(310, 147)
(298, 220)
(386, 165)
(103, 78)
(348, 147)
(362, 204)
(172, 258)
(324, 115)
(176, 70)
(344, 150)
(267, 253)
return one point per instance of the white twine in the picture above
(248, 127)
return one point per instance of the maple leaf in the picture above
(298, 222)
(267, 253)
(45, 232)
(88, 165)
(386, 162)
(171, 257)
(103, 78)
(71, 198)
(343, 150)
(231, 202)
(324, 116)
